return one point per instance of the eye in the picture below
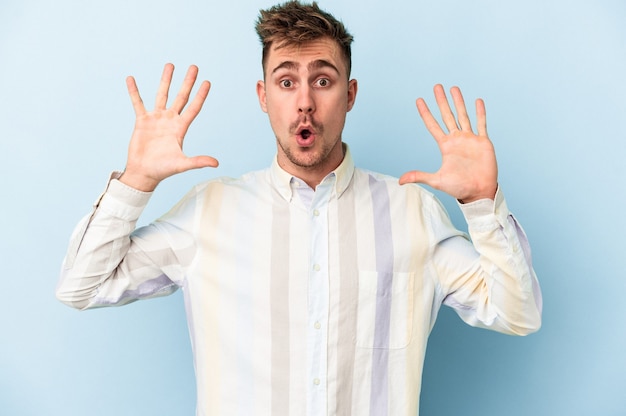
(285, 83)
(323, 82)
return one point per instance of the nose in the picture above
(306, 103)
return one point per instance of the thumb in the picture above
(417, 176)
(197, 162)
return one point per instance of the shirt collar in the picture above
(342, 174)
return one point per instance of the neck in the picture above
(313, 175)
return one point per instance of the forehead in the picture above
(321, 49)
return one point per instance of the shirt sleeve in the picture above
(489, 281)
(109, 263)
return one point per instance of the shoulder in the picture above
(391, 185)
(250, 180)
(216, 191)
(411, 199)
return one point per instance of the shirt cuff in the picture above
(486, 214)
(122, 201)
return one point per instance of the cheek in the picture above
(277, 119)
(280, 108)
(275, 105)
(339, 103)
(337, 111)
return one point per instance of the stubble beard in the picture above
(307, 158)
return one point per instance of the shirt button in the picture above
(316, 213)
(317, 325)
(316, 267)
(316, 381)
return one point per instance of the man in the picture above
(310, 287)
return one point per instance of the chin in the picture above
(306, 161)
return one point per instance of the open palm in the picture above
(156, 147)
(468, 169)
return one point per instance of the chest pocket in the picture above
(385, 309)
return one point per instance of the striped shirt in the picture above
(302, 301)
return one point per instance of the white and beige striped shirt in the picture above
(302, 301)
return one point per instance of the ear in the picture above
(352, 90)
(260, 92)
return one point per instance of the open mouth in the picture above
(305, 134)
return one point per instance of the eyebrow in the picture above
(317, 64)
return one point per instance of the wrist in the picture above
(138, 182)
(491, 194)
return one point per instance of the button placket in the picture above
(318, 298)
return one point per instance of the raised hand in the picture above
(468, 169)
(156, 146)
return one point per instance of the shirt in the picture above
(302, 301)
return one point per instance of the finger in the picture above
(185, 90)
(198, 162)
(164, 87)
(416, 176)
(481, 117)
(459, 106)
(135, 98)
(196, 104)
(444, 108)
(429, 120)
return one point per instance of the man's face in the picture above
(306, 94)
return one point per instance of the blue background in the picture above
(551, 73)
